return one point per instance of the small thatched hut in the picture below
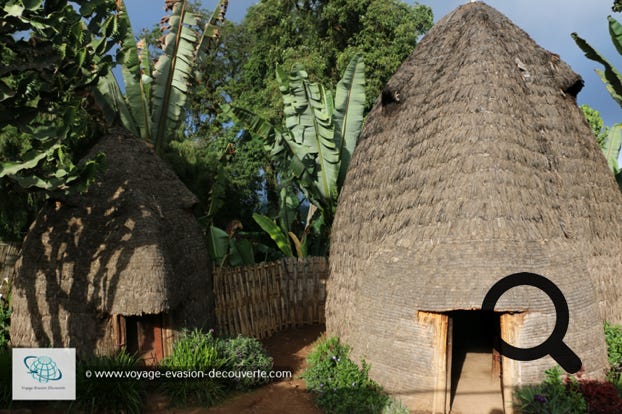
(474, 164)
(123, 265)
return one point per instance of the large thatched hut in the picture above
(474, 164)
(123, 265)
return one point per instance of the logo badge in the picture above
(43, 368)
(44, 373)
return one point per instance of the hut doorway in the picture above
(147, 336)
(474, 367)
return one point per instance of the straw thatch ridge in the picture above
(129, 246)
(481, 165)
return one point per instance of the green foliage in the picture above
(594, 120)
(109, 396)
(610, 75)
(612, 79)
(241, 69)
(5, 322)
(197, 351)
(312, 149)
(611, 148)
(17, 206)
(52, 54)
(243, 354)
(153, 105)
(613, 337)
(323, 36)
(276, 233)
(340, 386)
(230, 247)
(194, 349)
(552, 396)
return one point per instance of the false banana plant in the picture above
(155, 95)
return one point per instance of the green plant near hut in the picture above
(314, 147)
(613, 337)
(340, 386)
(5, 322)
(103, 395)
(552, 396)
(242, 354)
(612, 79)
(196, 351)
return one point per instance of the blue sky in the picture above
(548, 22)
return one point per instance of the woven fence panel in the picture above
(265, 298)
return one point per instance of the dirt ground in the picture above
(289, 350)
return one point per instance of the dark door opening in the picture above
(476, 370)
(144, 337)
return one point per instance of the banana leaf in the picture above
(217, 244)
(171, 74)
(308, 110)
(610, 76)
(615, 32)
(114, 107)
(241, 252)
(275, 232)
(135, 95)
(611, 147)
(349, 112)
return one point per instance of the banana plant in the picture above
(52, 55)
(612, 79)
(155, 95)
(610, 75)
(315, 144)
(611, 147)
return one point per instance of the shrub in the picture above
(340, 386)
(193, 351)
(552, 396)
(5, 322)
(5, 378)
(613, 337)
(601, 397)
(242, 354)
(394, 406)
(108, 395)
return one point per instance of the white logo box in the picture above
(44, 373)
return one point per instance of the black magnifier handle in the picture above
(566, 358)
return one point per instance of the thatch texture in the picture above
(129, 246)
(474, 164)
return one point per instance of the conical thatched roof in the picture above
(129, 246)
(475, 163)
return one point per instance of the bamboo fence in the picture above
(265, 298)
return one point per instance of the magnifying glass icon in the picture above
(554, 345)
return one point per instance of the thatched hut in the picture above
(123, 265)
(474, 164)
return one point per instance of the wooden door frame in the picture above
(442, 325)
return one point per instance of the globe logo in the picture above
(43, 369)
